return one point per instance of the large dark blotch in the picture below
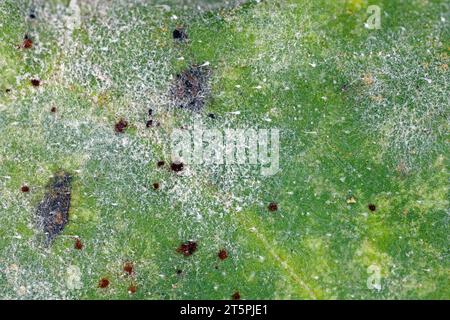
(53, 211)
(191, 88)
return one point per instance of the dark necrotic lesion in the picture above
(53, 210)
(191, 88)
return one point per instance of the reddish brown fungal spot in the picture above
(121, 125)
(179, 271)
(187, 248)
(78, 244)
(132, 289)
(272, 207)
(161, 164)
(222, 254)
(103, 283)
(149, 123)
(156, 186)
(176, 166)
(25, 189)
(53, 109)
(236, 296)
(27, 43)
(372, 207)
(128, 268)
(35, 82)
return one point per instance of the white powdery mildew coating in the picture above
(405, 93)
(111, 60)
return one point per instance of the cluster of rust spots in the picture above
(78, 244)
(35, 82)
(187, 248)
(156, 186)
(53, 109)
(177, 166)
(128, 269)
(120, 126)
(25, 188)
(223, 254)
(53, 211)
(272, 207)
(372, 207)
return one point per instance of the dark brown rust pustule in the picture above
(103, 283)
(132, 289)
(53, 211)
(25, 188)
(179, 34)
(187, 248)
(236, 296)
(177, 166)
(120, 126)
(128, 268)
(272, 207)
(27, 42)
(372, 207)
(160, 164)
(78, 244)
(223, 254)
(35, 82)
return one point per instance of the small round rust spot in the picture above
(222, 254)
(27, 43)
(273, 206)
(156, 186)
(53, 109)
(161, 164)
(132, 289)
(128, 268)
(78, 244)
(25, 188)
(120, 126)
(372, 207)
(236, 296)
(103, 283)
(35, 82)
